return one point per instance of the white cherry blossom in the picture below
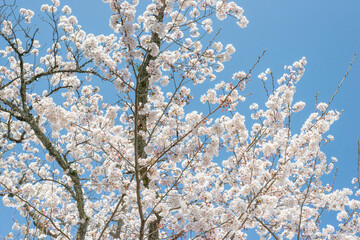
(102, 136)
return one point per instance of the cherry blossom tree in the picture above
(146, 165)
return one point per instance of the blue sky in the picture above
(327, 33)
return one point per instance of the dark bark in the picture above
(141, 98)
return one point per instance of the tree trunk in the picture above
(141, 97)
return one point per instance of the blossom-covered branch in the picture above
(101, 136)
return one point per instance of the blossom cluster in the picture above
(101, 136)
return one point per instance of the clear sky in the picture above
(326, 32)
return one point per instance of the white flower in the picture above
(73, 20)
(243, 22)
(206, 24)
(217, 46)
(239, 75)
(44, 7)
(56, 3)
(16, 226)
(7, 27)
(297, 107)
(66, 9)
(230, 49)
(262, 76)
(322, 106)
(254, 106)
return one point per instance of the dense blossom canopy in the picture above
(147, 165)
